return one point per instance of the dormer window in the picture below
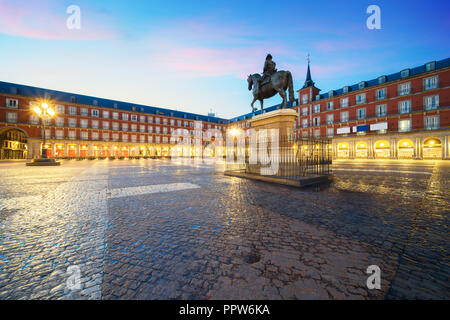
(405, 73)
(346, 89)
(331, 93)
(115, 105)
(73, 99)
(362, 85)
(318, 97)
(95, 103)
(382, 79)
(430, 66)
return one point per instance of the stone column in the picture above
(66, 150)
(418, 149)
(445, 149)
(90, 150)
(53, 150)
(393, 149)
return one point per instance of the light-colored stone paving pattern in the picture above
(180, 230)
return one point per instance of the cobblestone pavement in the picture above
(154, 229)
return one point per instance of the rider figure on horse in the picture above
(269, 69)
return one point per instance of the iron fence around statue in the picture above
(282, 157)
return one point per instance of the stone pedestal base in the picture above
(41, 162)
(282, 119)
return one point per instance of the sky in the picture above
(195, 56)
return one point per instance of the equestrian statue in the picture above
(270, 83)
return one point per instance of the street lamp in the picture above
(45, 112)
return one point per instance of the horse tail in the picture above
(291, 88)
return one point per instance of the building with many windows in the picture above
(404, 115)
(86, 126)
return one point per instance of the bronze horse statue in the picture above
(279, 82)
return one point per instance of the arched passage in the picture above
(405, 149)
(362, 150)
(432, 148)
(343, 150)
(382, 149)
(13, 144)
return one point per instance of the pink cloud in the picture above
(41, 22)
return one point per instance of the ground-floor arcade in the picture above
(418, 146)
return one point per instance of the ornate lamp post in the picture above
(45, 112)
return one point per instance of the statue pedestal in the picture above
(283, 120)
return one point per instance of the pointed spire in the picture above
(308, 81)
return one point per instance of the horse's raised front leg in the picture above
(262, 106)
(253, 102)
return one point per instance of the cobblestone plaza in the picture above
(174, 229)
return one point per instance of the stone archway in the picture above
(382, 149)
(362, 150)
(13, 143)
(405, 149)
(343, 150)
(432, 148)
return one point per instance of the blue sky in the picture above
(195, 56)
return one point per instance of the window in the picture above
(124, 126)
(59, 109)
(115, 126)
(95, 102)
(304, 134)
(157, 139)
(60, 122)
(94, 135)
(431, 102)
(404, 125)
(404, 88)
(105, 125)
(105, 136)
(317, 133)
(330, 118)
(346, 89)
(361, 98)
(124, 137)
(316, 121)
(150, 119)
(331, 93)
(362, 85)
(83, 123)
(134, 117)
(84, 135)
(186, 124)
(95, 124)
(344, 102)
(381, 110)
(150, 129)
(344, 116)
(12, 103)
(142, 118)
(72, 110)
(95, 113)
(157, 120)
(142, 139)
(72, 122)
(430, 83)
(431, 122)
(84, 112)
(59, 134)
(11, 117)
(134, 127)
(164, 130)
(142, 128)
(115, 115)
(330, 105)
(361, 114)
(125, 116)
(34, 119)
(165, 140)
(404, 106)
(430, 66)
(72, 135)
(157, 129)
(172, 123)
(304, 99)
(304, 111)
(179, 123)
(405, 73)
(115, 137)
(133, 138)
(330, 132)
(381, 94)
(105, 114)
(165, 121)
(316, 108)
(382, 79)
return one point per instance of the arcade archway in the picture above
(13, 144)
(432, 148)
